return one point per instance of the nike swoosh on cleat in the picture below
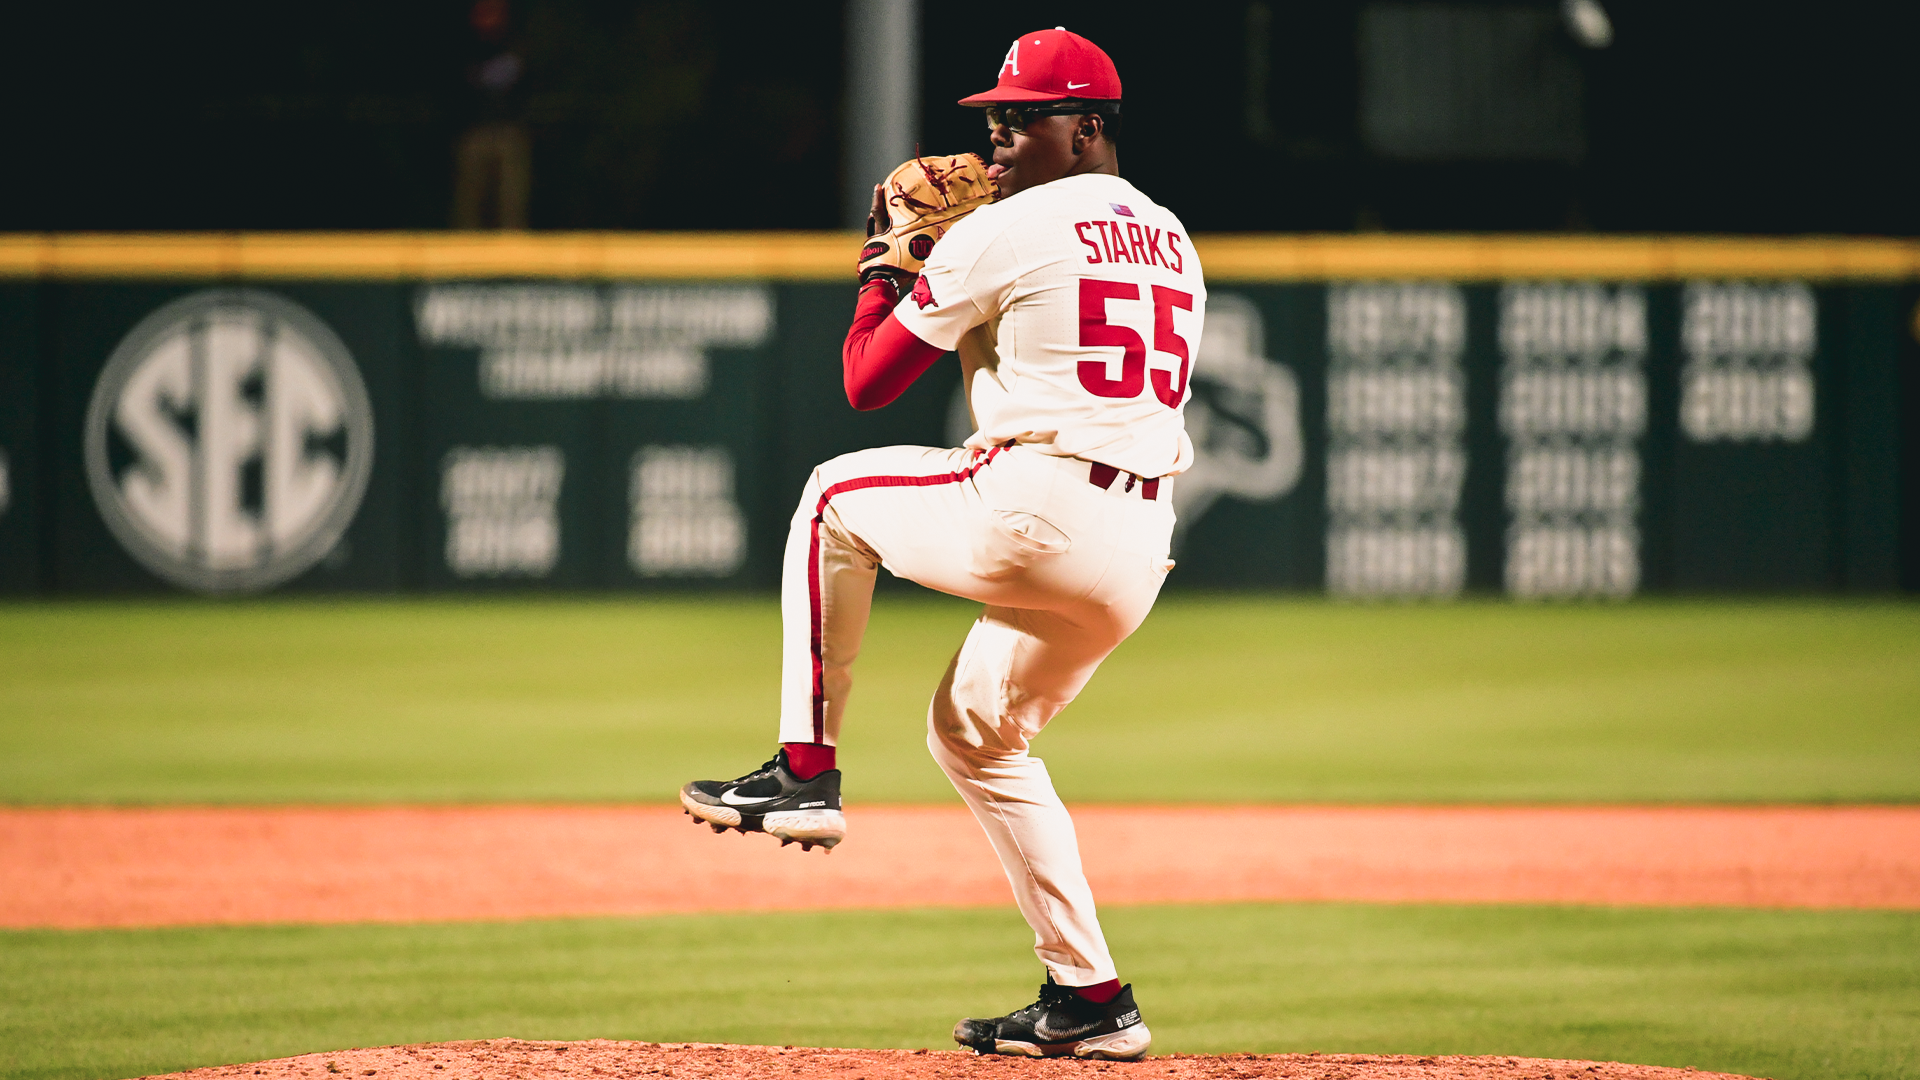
(734, 799)
(1041, 1029)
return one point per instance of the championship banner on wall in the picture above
(1369, 437)
(583, 436)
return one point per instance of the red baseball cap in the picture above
(1053, 65)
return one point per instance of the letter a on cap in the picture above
(1058, 65)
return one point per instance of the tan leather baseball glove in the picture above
(915, 206)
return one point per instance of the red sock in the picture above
(808, 760)
(1100, 993)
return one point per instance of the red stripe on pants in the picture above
(813, 565)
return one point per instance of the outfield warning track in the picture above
(82, 867)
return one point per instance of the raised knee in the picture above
(819, 481)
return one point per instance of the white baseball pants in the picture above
(1067, 570)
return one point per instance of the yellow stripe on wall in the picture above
(1621, 258)
(402, 256)
(830, 256)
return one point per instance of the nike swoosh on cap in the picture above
(1077, 85)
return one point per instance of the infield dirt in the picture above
(98, 867)
(513, 1059)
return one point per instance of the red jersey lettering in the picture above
(1153, 247)
(1166, 386)
(1080, 228)
(1096, 331)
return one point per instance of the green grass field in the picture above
(1244, 699)
(1234, 699)
(1781, 994)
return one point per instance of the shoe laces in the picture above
(764, 770)
(1051, 994)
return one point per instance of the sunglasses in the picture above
(1017, 117)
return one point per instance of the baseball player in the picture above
(1075, 304)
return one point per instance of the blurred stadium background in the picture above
(1663, 340)
(404, 403)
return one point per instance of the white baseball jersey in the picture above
(1092, 302)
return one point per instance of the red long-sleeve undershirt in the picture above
(881, 358)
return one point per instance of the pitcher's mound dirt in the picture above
(513, 1059)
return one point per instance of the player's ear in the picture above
(1088, 129)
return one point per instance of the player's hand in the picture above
(901, 281)
(877, 219)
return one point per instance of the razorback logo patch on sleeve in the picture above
(923, 294)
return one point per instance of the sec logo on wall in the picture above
(229, 441)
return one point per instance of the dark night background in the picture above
(1699, 117)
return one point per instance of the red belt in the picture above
(1103, 476)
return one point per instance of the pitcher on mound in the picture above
(1075, 304)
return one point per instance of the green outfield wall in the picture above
(1374, 416)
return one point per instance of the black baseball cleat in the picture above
(1060, 1024)
(771, 799)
